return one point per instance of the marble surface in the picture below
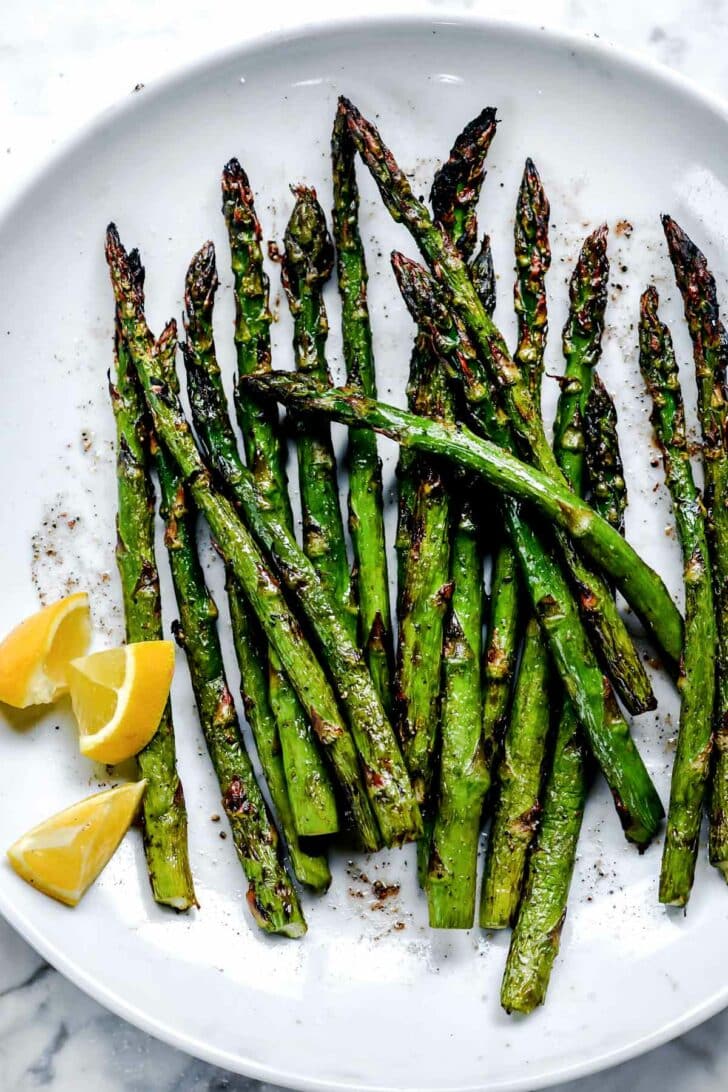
(59, 66)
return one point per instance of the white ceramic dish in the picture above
(359, 1004)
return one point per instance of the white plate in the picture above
(358, 1004)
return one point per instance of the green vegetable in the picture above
(310, 791)
(424, 560)
(164, 814)
(516, 814)
(710, 353)
(638, 804)
(523, 415)
(271, 896)
(366, 515)
(238, 548)
(307, 264)
(464, 774)
(697, 668)
(519, 771)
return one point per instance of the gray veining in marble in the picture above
(59, 64)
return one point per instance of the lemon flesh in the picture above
(118, 698)
(63, 855)
(34, 657)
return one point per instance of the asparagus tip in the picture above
(201, 282)
(233, 174)
(413, 280)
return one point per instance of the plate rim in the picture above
(309, 30)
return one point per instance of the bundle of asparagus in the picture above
(461, 728)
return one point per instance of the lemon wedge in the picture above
(34, 657)
(118, 697)
(63, 855)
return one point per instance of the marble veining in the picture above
(57, 71)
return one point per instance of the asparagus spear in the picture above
(519, 773)
(366, 514)
(310, 791)
(697, 667)
(449, 862)
(582, 347)
(424, 590)
(310, 868)
(582, 341)
(515, 818)
(516, 815)
(537, 933)
(457, 184)
(637, 802)
(271, 896)
(258, 420)
(710, 352)
(163, 811)
(482, 274)
(425, 585)
(447, 265)
(501, 650)
(307, 264)
(533, 260)
(503, 631)
(464, 774)
(258, 583)
(605, 473)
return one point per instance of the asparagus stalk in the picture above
(455, 557)
(425, 586)
(501, 650)
(537, 933)
(605, 473)
(271, 896)
(533, 260)
(310, 791)
(164, 815)
(518, 807)
(503, 630)
(310, 868)
(710, 352)
(482, 273)
(697, 667)
(258, 420)
(519, 775)
(449, 863)
(451, 271)
(307, 264)
(366, 513)
(637, 802)
(582, 342)
(260, 586)
(457, 184)
(464, 773)
(516, 815)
